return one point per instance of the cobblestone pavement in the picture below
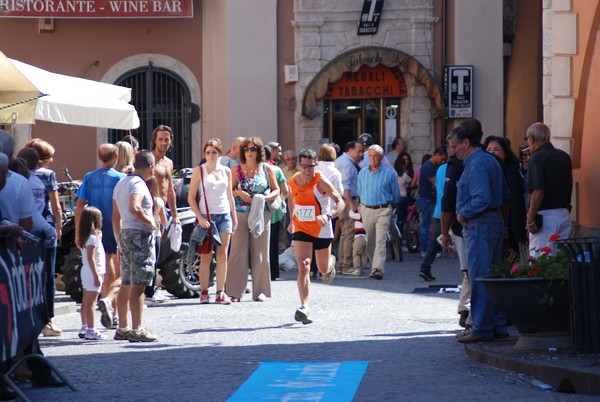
(205, 352)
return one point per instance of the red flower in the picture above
(534, 271)
(553, 237)
(546, 250)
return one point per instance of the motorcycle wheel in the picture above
(179, 278)
(71, 271)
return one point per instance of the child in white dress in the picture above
(89, 240)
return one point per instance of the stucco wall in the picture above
(72, 49)
(324, 29)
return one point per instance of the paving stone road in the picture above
(205, 352)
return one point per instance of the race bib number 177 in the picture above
(305, 213)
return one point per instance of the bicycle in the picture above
(394, 238)
(411, 229)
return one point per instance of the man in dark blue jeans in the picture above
(426, 196)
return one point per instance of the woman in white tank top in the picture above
(218, 195)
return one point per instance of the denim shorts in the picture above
(223, 222)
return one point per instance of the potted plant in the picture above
(533, 294)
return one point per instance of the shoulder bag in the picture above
(207, 245)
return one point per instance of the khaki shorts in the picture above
(137, 257)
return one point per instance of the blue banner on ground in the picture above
(22, 296)
(302, 381)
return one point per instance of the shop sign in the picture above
(369, 82)
(458, 83)
(369, 17)
(96, 8)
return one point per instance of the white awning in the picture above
(77, 101)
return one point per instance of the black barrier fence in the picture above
(584, 282)
(22, 295)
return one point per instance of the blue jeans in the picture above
(483, 243)
(433, 248)
(426, 208)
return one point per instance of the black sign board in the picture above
(369, 17)
(458, 84)
(22, 296)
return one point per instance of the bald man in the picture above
(97, 190)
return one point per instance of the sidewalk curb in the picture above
(565, 372)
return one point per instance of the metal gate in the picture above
(160, 97)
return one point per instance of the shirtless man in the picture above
(162, 138)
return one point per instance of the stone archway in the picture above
(371, 56)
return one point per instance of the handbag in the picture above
(207, 245)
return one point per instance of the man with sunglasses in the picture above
(311, 225)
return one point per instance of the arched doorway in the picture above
(364, 101)
(368, 111)
(161, 97)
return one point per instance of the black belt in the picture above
(377, 206)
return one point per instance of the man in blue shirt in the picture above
(482, 191)
(426, 196)
(347, 164)
(378, 191)
(96, 190)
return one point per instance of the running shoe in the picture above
(94, 335)
(303, 315)
(222, 298)
(204, 298)
(82, 332)
(115, 322)
(106, 311)
(143, 335)
(329, 276)
(122, 334)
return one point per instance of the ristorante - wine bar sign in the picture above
(96, 8)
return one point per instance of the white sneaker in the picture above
(151, 302)
(82, 332)
(94, 335)
(159, 296)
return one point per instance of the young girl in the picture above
(92, 271)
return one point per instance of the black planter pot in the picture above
(539, 308)
(533, 305)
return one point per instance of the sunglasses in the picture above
(250, 149)
(307, 166)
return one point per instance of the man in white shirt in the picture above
(134, 226)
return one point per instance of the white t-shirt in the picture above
(217, 197)
(132, 184)
(331, 173)
(99, 256)
(404, 183)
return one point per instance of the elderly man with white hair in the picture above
(378, 191)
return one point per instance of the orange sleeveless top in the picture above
(306, 206)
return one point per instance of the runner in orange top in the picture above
(311, 225)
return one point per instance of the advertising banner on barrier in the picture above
(22, 296)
